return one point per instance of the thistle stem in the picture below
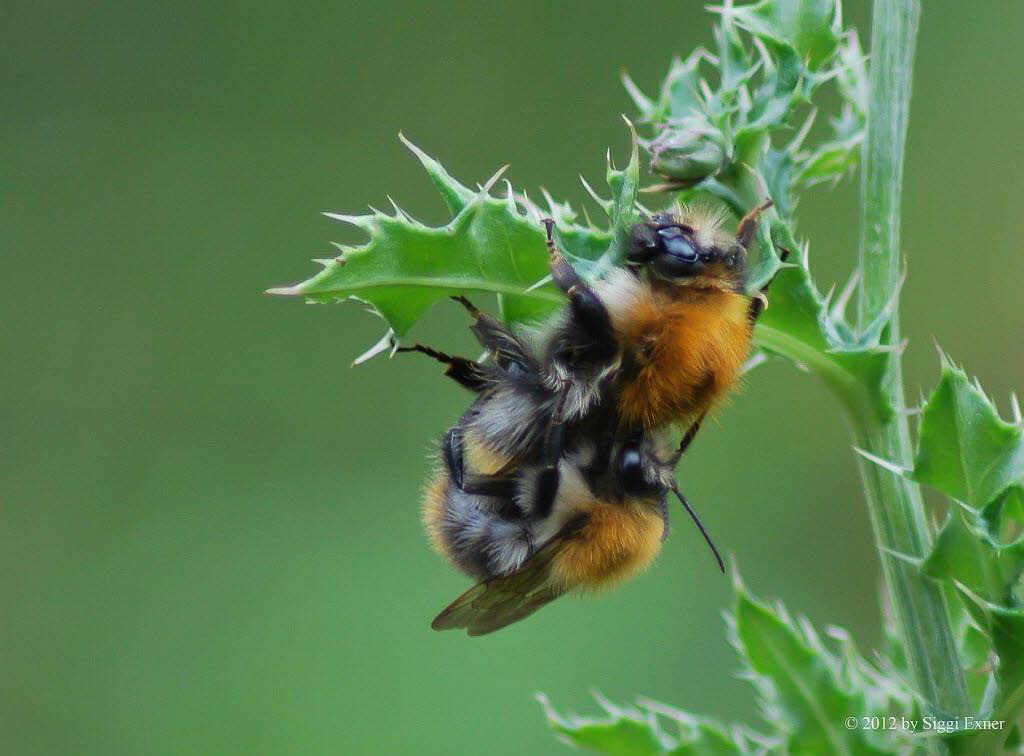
(895, 503)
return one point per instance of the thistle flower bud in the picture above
(686, 154)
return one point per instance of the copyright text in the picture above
(925, 724)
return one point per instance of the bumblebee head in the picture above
(689, 247)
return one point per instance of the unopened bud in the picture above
(686, 155)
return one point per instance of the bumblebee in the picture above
(605, 522)
(557, 475)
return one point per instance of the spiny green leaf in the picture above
(455, 195)
(1005, 627)
(1008, 637)
(974, 646)
(624, 185)
(733, 59)
(628, 731)
(491, 245)
(970, 453)
(807, 694)
(798, 325)
(801, 680)
(833, 158)
(965, 553)
(810, 27)
(881, 694)
(830, 161)
(1004, 516)
(774, 99)
(680, 95)
(966, 449)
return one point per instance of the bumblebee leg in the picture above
(666, 524)
(498, 339)
(451, 448)
(759, 303)
(494, 486)
(602, 453)
(688, 437)
(588, 309)
(470, 307)
(565, 277)
(462, 370)
(553, 444)
(748, 224)
(543, 498)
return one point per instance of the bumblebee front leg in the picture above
(462, 370)
(748, 224)
(745, 236)
(587, 308)
(759, 302)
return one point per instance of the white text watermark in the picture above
(939, 725)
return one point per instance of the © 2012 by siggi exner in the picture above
(940, 725)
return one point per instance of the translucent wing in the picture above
(509, 352)
(500, 601)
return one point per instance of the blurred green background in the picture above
(210, 539)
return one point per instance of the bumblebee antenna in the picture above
(700, 527)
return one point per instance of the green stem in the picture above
(895, 503)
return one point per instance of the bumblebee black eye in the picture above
(706, 256)
(676, 243)
(631, 470)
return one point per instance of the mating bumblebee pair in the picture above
(557, 475)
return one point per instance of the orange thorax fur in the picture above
(687, 345)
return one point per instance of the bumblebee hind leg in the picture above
(495, 486)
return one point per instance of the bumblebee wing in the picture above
(500, 601)
(507, 349)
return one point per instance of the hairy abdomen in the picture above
(470, 530)
(617, 541)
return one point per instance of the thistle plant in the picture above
(734, 125)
